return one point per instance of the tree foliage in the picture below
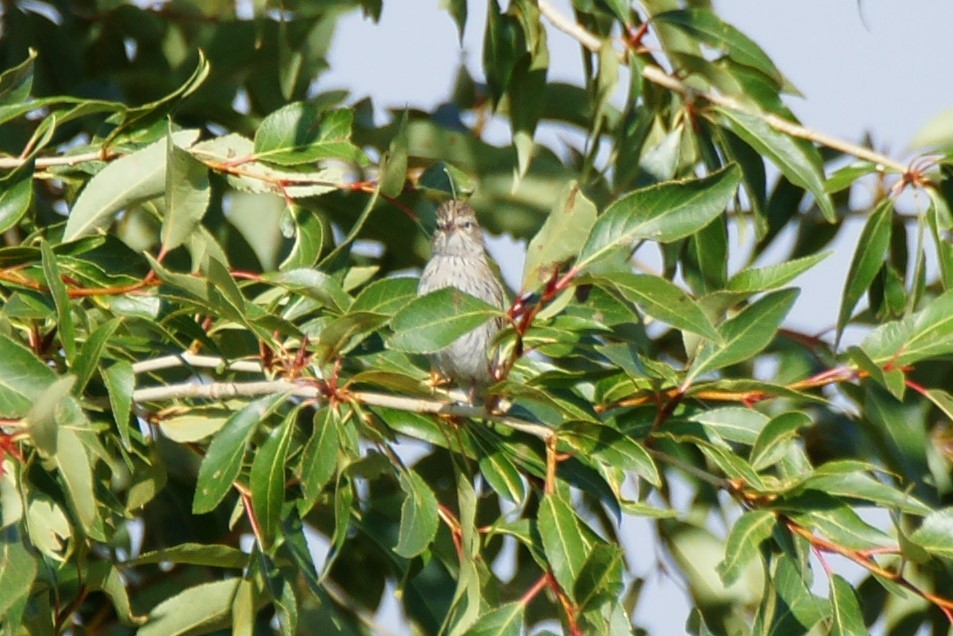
(215, 399)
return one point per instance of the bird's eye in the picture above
(466, 225)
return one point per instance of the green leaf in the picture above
(201, 608)
(849, 479)
(501, 474)
(214, 555)
(759, 279)
(301, 133)
(120, 380)
(15, 200)
(733, 423)
(601, 577)
(124, 183)
(868, 259)
(54, 280)
(386, 296)
(319, 459)
(527, 90)
(187, 195)
(770, 445)
(662, 300)
(223, 460)
(706, 27)
(505, 620)
(501, 49)
(746, 334)
(308, 239)
(612, 448)
(561, 533)
(41, 421)
(313, 284)
(926, 334)
(17, 81)
(18, 569)
(560, 237)
(253, 176)
(393, 170)
(75, 466)
(848, 619)
(91, 352)
(744, 541)
(447, 180)
(418, 516)
(458, 11)
(935, 534)
(797, 159)
(435, 320)
(23, 377)
(664, 213)
(267, 477)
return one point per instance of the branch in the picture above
(658, 76)
(311, 391)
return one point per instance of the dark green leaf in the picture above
(759, 279)
(848, 619)
(418, 516)
(267, 478)
(746, 334)
(91, 352)
(601, 577)
(561, 533)
(15, 200)
(120, 380)
(505, 620)
(223, 461)
(434, 321)
(319, 460)
(770, 444)
(796, 158)
(308, 239)
(744, 541)
(663, 213)
(868, 259)
(662, 300)
(54, 280)
(301, 133)
(217, 556)
(925, 334)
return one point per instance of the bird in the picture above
(459, 260)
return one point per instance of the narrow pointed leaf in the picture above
(746, 334)
(868, 259)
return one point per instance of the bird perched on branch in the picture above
(459, 260)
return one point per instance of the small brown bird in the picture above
(459, 260)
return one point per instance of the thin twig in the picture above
(311, 391)
(658, 76)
